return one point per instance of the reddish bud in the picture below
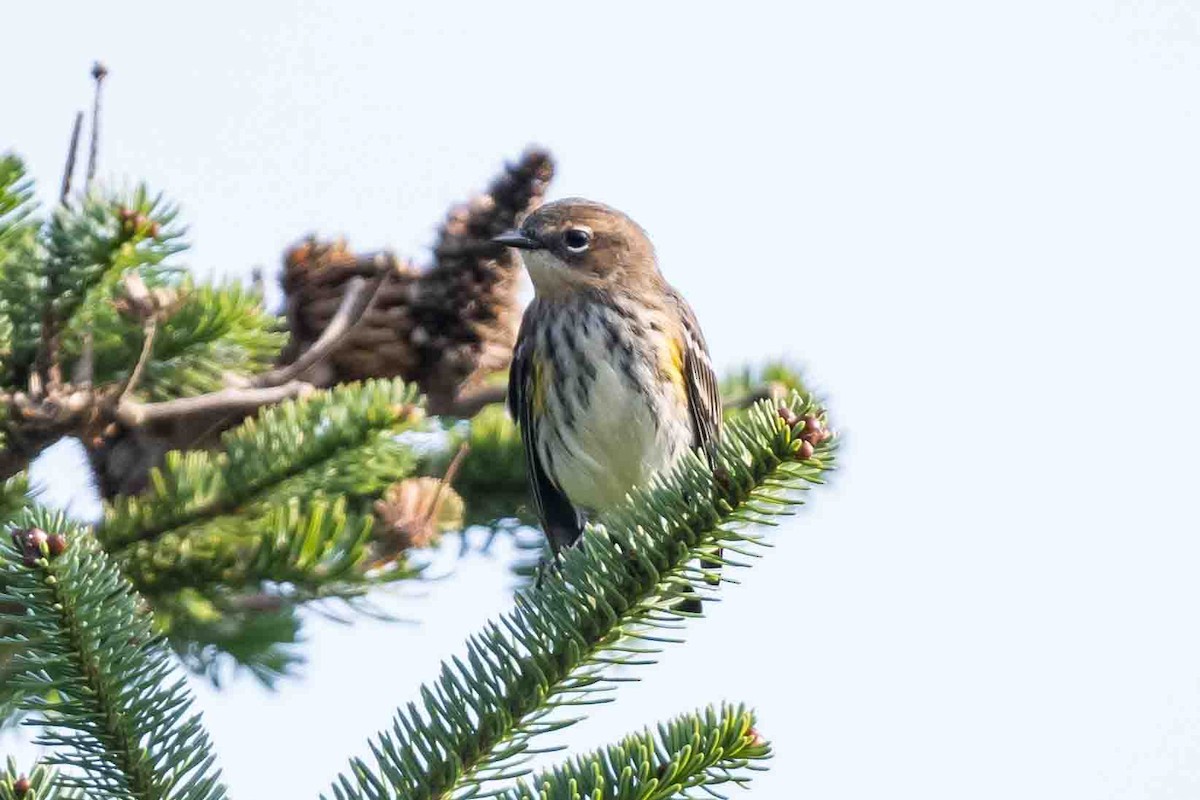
(811, 424)
(153, 229)
(21, 786)
(788, 416)
(56, 544)
(806, 450)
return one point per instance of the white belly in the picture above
(619, 439)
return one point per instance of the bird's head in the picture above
(573, 243)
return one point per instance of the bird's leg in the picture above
(545, 565)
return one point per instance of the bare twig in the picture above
(448, 476)
(133, 413)
(356, 303)
(149, 329)
(469, 403)
(98, 72)
(72, 150)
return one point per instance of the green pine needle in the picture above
(318, 548)
(698, 750)
(119, 719)
(617, 589)
(20, 278)
(345, 435)
(90, 245)
(213, 332)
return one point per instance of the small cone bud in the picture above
(806, 450)
(788, 416)
(57, 544)
(35, 538)
(21, 786)
(812, 424)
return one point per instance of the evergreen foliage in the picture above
(612, 601)
(97, 676)
(243, 477)
(699, 750)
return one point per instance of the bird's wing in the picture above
(560, 520)
(704, 397)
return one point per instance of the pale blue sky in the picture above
(975, 224)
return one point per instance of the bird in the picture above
(611, 380)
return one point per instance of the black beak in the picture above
(517, 240)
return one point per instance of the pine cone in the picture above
(443, 328)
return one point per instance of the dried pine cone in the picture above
(443, 328)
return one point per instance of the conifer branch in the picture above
(698, 750)
(606, 605)
(232, 400)
(284, 442)
(117, 716)
(317, 549)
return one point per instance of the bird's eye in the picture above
(577, 239)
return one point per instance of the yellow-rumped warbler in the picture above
(611, 380)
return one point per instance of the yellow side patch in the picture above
(673, 365)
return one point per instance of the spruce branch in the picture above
(209, 631)
(87, 249)
(117, 715)
(16, 201)
(224, 401)
(606, 605)
(316, 549)
(283, 442)
(693, 751)
(20, 297)
(208, 337)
